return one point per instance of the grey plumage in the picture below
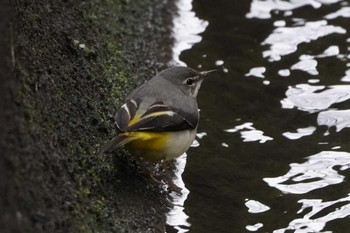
(166, 103)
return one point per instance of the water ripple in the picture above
(332, 50)
(249, 133)
(254, 227)
(343, 12)
(301, 132)
(338, 118)
(257, 72)
(256, 206)
(261, 8)
(176, 217)
(346, 77)
(315, 173)
(311, 224)
(307, 64)
(284, 40)
(186, 29)
(315, 98)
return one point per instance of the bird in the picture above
(159, 119)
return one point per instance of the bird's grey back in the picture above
(160, 89)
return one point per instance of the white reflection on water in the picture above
(301, 132)
(186, 29)
(224, 144)
(284, 72)
(279, 23)
(307, 64)
(346, 77)
(257, 72)
(325, 168)
(255, 135)
(261, 8)
(199, 136)
(317, 172)
(308, 223)
(185, 32)
(249, 133)
(343, 12)
(338, 118)
(176, 216)
(219, 62)
(315, 98)
(256, 206)
(284, 40)
(254, 227)
(313, 80)
(332, 50)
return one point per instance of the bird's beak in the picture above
(205, 74)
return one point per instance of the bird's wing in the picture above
(126, 112)
(133, 116)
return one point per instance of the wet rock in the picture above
(72, 64)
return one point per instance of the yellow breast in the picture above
(148, 140)
(156, 146)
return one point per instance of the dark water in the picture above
(276, 154)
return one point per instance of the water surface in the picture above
(274, 142)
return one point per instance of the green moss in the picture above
(115, 75)
(76, 63)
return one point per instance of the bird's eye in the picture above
(190, 81)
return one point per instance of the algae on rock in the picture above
(74, 63)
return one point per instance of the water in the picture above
(273, 150)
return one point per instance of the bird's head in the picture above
(186, 79)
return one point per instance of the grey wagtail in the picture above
(159, 119)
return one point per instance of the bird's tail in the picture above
(116, 143)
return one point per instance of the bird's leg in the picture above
(161, 174)
(146, 169)
(169, 177)
(165, 165)
(153, 175)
